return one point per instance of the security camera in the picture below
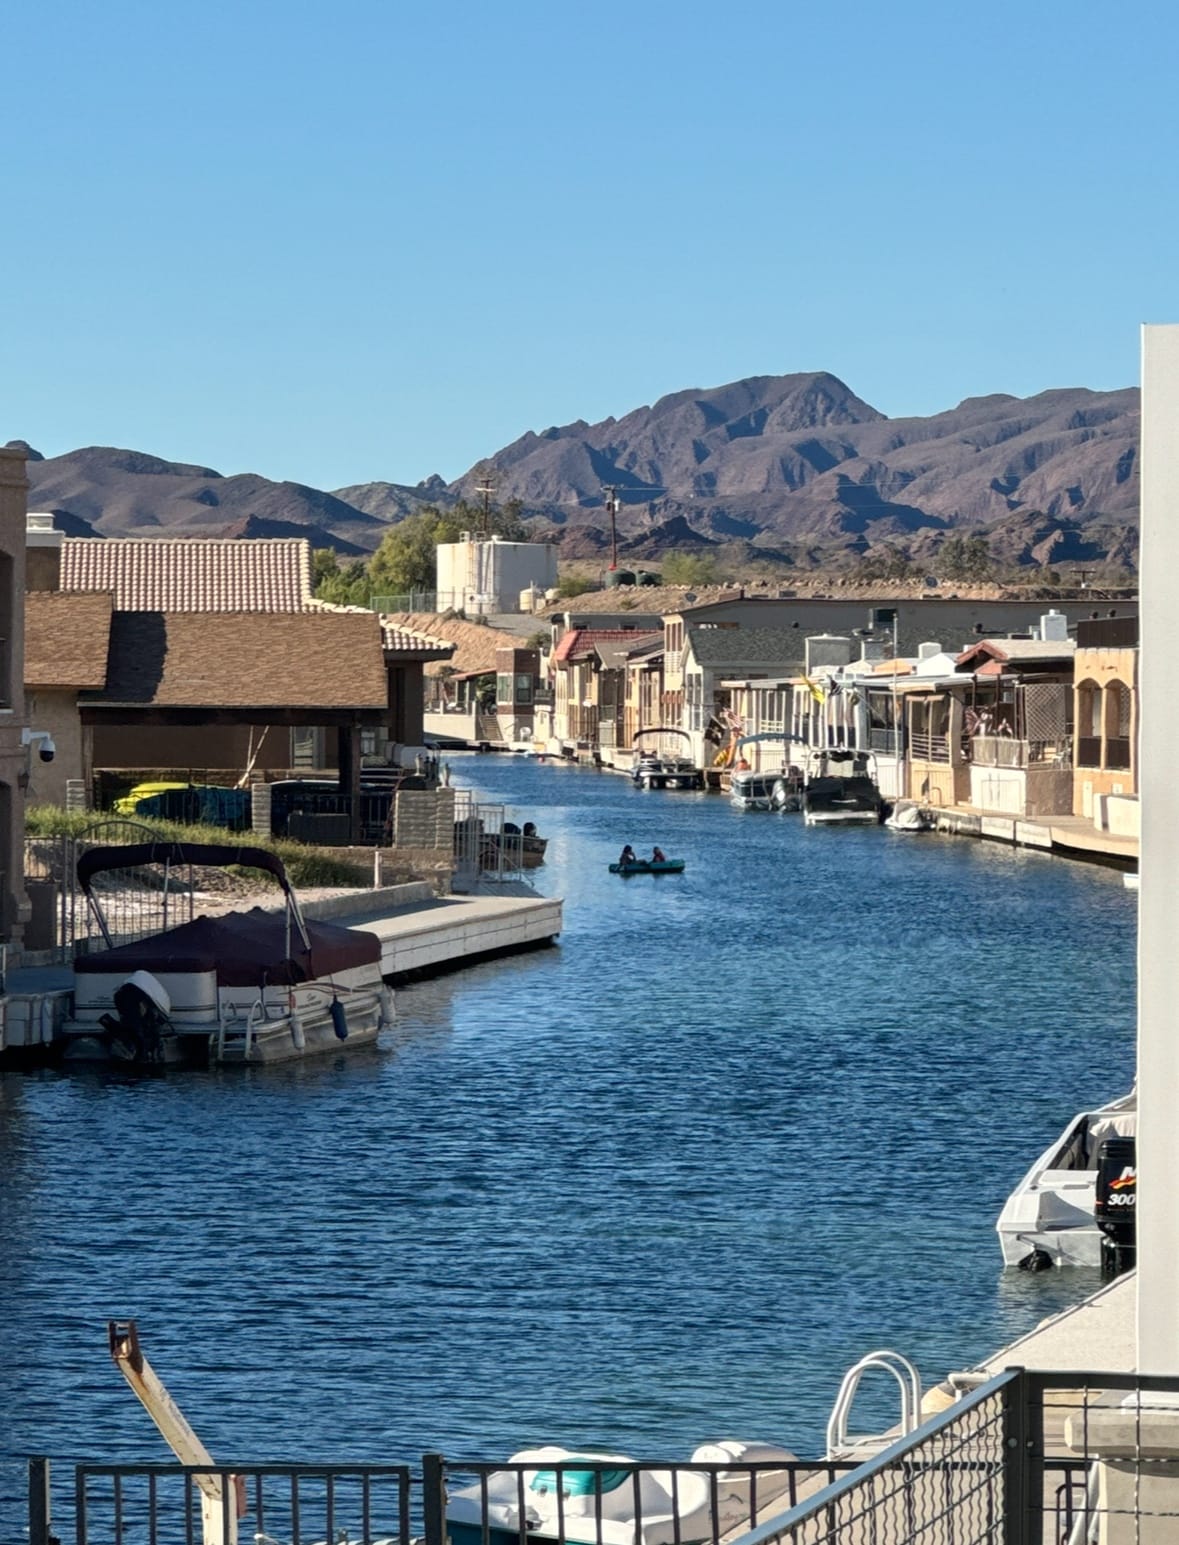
(43, 741)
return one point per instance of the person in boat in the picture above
(627, 856)
(658, 856)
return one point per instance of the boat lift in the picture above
(221, 1504)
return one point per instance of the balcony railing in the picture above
(1027, 1458)
(1005, 751)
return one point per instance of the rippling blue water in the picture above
(659, 1185)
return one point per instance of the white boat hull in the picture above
(1051, 1209)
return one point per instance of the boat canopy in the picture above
(218, 855)
(244, 949)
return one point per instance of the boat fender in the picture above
(339, 1020)
(388, 1012)
(298, 1034)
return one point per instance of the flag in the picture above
(815, 690)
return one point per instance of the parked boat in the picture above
(773, 789)
(1049, 1219)
(650, 866)
(246, 987)
(907, 815)
(661, 769)
(840, 790)
(666, 772)
(594, 1498)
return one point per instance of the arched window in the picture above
(1089, 725)
(1117, 726)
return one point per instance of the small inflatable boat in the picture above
(650, 866)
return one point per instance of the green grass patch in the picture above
(306, 866)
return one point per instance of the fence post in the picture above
(434, 1498)
(39, 1503)
(1017, 1495)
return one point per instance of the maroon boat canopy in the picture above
(245, 949)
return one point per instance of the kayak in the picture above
(649, 866)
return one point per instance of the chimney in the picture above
(42, 552)
(927, 650)
(1054, 626)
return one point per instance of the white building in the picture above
(484, 575)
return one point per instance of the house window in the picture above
(523, 689)
(1089, 709)
(1117, 744)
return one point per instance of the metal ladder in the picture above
(843, 1445)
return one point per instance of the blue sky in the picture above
(358, 241)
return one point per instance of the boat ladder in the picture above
(843, 1445)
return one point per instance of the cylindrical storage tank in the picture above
(646, 577)
(618, 577)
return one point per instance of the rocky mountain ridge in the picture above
(791, 469)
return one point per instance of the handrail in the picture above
(783, 1527)
(908, 1380)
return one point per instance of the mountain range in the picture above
(792, 468)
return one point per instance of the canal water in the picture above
(658, 1185)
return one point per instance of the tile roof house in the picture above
(206, 657)
(190, 574)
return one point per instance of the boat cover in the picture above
(216, 854)
(245, 949)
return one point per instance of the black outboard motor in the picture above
(137, 1035)
(1114, 1204)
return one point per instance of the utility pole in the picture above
(485, 489)
(612, 510)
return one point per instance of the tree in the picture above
(966, 557)
(689, 569)
(407, 558)
(574, 584)
(347, 586)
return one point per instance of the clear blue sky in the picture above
(354, 241)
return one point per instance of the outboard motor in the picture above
(142, 1005)
(1114, 1203)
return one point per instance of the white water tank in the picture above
(1054, 626)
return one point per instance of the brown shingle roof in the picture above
(66, 639)
(186, 574)
(246, 660)
(475, 642)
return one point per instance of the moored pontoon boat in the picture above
(245, 987)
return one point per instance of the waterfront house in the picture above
(1020, 722)
(587, 667)
(1105, 716)
(700, 658)
(83, 592)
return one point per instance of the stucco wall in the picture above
(56, 712)
(1022, 791)
(937, 783)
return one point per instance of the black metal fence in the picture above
(1025, 1459)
